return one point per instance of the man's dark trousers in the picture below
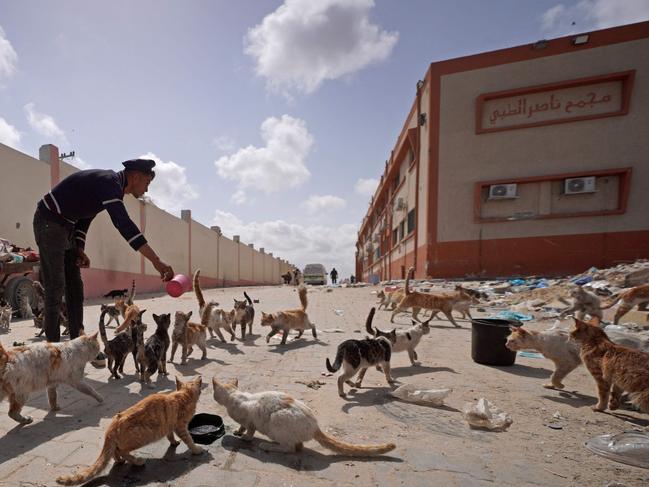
(60, 275)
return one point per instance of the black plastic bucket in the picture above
(488, 338)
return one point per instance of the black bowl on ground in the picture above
(206, 428)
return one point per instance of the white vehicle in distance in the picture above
(315, 274)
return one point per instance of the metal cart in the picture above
(15, 286)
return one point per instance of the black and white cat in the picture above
(406, 340)
(359, 355)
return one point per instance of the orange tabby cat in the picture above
(638, 295)
(615, 368)
(292, 319)
(149, 420)
(417, 301)
(187, 335)
(128, 310)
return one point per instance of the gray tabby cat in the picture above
(5, 316)
(152, 354)
(359, 355)
(585, 303)
(244, 314)
(119, 347)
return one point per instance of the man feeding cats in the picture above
(61, 223)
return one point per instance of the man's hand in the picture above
(82, 259)
(166, 272)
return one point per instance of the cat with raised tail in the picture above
(127, 309)
(153, 418)
(285, 420)
(292, 319)
(359, 355)
(405, 340)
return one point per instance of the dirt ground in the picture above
(435, 446)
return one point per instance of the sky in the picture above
(272, 119)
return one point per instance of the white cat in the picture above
(28, 369)
(406, 340)
(286, 421)
(217, 319)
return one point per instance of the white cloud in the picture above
(44, 125)
(224, 143)
(305, 42)
(240, 197)
(8, 57)
(170, 189)
(9, 135)
(280, 164)
(366, 187)
(317, 204)
(592, 14)
(333, 246)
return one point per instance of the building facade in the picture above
(528, 160)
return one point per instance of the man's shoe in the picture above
(100, 361)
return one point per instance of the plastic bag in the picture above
(513, 315)
(418, 395)
(629, 447)
(486, 415)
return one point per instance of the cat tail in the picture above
(612, 303)
(302, 293)
(337, 363)
(102, 328)
(131, 295)
(107, 452)
(248, 298)
(197, 289)
(411, 273)
(344, 448)
(368, 322)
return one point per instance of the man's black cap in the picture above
(142, 165)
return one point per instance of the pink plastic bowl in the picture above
(178, 285)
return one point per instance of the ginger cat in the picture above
(128, 310)
(390, 298)
(214, 318)
(151, 419)
(615, 368)
(638, 295)
(417, 301)
(468, 297)
(285, 420)
(38, 366)
(293, 319)
(187, 335)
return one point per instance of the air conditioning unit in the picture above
(579, 185)
(375, 238)
(400, 204)
(502, 191)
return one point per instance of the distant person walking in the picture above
(296, 277)
(334, 275)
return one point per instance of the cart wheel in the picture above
(17, 291)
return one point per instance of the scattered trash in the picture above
(555, 425)
(339, 312)
(332, 330)
(629, 447)
(255, 301)
(19, 344)
(530, 354)
(326, 374)
(557, 415)
(513, 315)
(418, 395)
(580, 281)
(485, 415)
(518, 282)
(312, 384)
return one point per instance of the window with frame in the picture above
(411, 221)
(395, 236)
(401, 228)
